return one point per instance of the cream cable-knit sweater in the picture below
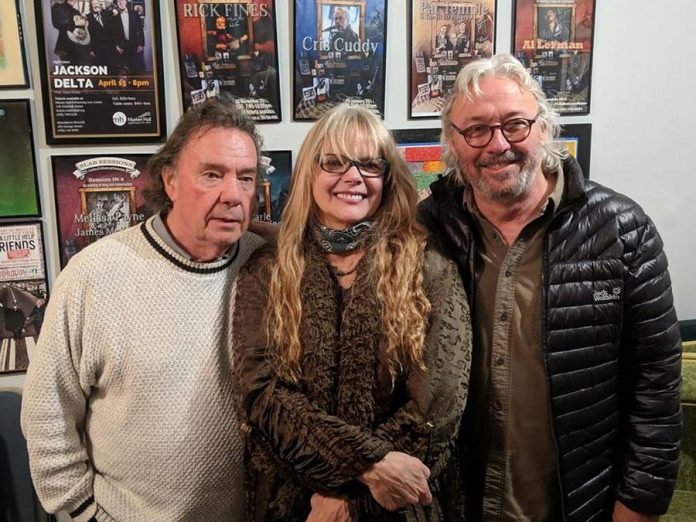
(128, 406)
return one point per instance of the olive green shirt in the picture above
(511, 438)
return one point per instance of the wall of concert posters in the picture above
(101, 70)
(230, 46)
(19, 196)
(339, 55)
(553, 39)
(13, 67)
(445, 36)
(23, 292)
(97, 196)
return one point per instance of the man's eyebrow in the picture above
(211, 165)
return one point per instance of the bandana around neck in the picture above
(341, 241)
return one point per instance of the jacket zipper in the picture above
(544, 292)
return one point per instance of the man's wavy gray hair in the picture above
(467, 84)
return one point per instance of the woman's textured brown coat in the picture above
(345, 413)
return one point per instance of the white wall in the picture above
(643, 114)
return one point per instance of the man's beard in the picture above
(528, 171)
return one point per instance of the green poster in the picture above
(18, 190)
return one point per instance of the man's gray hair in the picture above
(505, 66)
(215, 113)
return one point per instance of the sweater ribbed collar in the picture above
(171, 252)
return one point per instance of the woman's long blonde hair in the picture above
(397, 249)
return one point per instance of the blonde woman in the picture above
(352, 341)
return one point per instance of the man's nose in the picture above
(231, 191)
(498, 142)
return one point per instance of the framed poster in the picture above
(101, 70)
(19, 193)
(230, 46)
(23, 293)
(275, 186)
(554, 39)
(422, 150)
(577, 138)
(13, 65)
(445, 35)
(339, 55)
(97, 196)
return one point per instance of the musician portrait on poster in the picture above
(230, 47)
(553, 39)
(97, 196)
(339, 55)
(445, 36)
(101, 70)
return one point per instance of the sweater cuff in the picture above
(85, 512)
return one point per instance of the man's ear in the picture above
(170, 182)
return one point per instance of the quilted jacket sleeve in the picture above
(651, 355)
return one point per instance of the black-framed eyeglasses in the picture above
(368, 168)
(514, 131)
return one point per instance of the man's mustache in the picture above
(507, 156)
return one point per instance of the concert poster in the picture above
(101, 70)
(97, 196)
(339, 55)
(577, 139)
(19, 193)
(445, 35)
(275, 186)
(23, 293)
(230, 47)
(422, 150)
(13, 65)
(554, 40)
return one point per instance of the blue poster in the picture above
(339, 55)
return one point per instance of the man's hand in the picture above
(623, 514)
(328, 509)
(397, 481)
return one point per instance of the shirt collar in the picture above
(163, 232)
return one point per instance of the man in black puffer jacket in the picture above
(573, 407)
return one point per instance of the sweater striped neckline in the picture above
(178, 260)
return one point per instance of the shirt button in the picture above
(508, 273)
(497, 405)
(503, 316)
(499, 360)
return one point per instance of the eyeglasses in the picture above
(514, 131)
(369, 168)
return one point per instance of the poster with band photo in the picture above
(23, 293)
(13, 65)
(19, 193)
(101, 70)
(275, 186)
(97, 196)
(445, 35)
(554, 40)
(230, 46)
(340, 48)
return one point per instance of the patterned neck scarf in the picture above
(342, 241)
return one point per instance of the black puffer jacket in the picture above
(611, 343)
